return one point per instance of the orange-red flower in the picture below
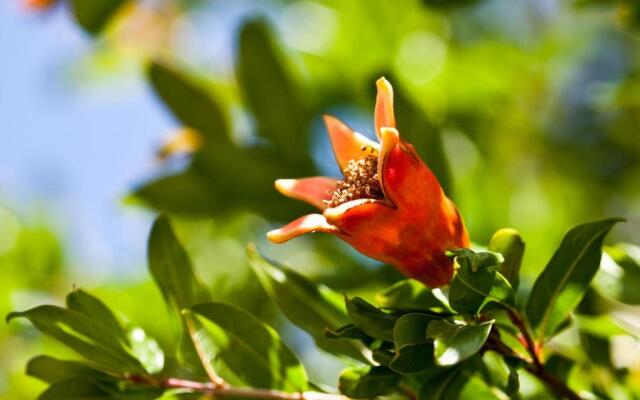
(38, 5)
(389, 206)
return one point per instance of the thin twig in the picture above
(221, 391)
(533, 366)
(529, 343)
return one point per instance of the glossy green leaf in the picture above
(52, 370)
(97, 311)
(412, 329)
(414, 350)
(244, 350)
(83, 335)
(619, 274)
(446, 385)
(93, 15)
(454, 343)
(172, 269)
(371, 320)
(349, 331)
(270, 94)
(462, 382)
(88, 389)
(310, 306)
(367, 382)
(410, 294)
(509, 243)
(567, 275)
(146, 349)
(477, 284)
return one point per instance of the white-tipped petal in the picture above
(308, 223)
(314, 190)
(384, 115)
(333, 214)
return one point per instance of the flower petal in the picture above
(312, 190)
(302, 225)
(383, 114)
(405, 179)
(365, 219)
(347, 144)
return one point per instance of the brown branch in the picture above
(529, 344)
(533, 366)
(214, 390)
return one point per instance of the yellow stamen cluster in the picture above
(360, 182)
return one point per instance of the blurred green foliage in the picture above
(526, 111)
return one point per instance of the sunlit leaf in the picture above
(367, 382)
(81, 334)
(244, 350)
(371, 320)
(312, 307)
(147, 350)
(410, 294)
(454, 343)
(509, 243)
(97, 311)
(51, 370)
(477, 284)
(414, 350)
(172, 269)
(559, 288)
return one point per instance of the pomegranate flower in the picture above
(389, 206)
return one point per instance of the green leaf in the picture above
(559, 366)
(454, 343)
(477, 284)
(93, 15)
(244, 350)
(349, 331)
(445, 386)
(371, 320)
(564, 280)
(191, 104)
(89, 389)
(52, 370)
(414, 350)
(412, 329)
(75, 389)
(619, 274)
(147, 350)
(172, 269)
(83, 335)
(94, 309)
(461, 382)
(410, 294)
(509, 243)
(270, 95)
(367, 382)
(501, 373)
(309, 306)
(187, 192)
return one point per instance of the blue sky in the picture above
(69, 151)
